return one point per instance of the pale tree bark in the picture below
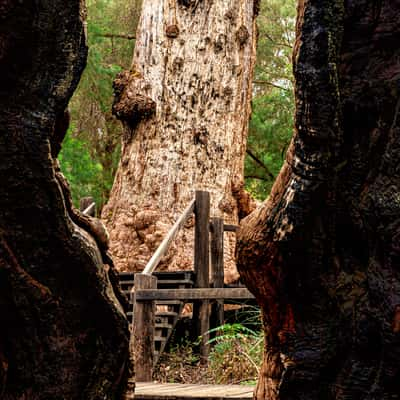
(322, 253)
(185, 104)
(63, 332)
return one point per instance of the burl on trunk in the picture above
(322, 255)
(63, 333)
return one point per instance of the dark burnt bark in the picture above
(322, 254)
(63, 333)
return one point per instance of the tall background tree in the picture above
(271, 123)
(92, 147)
(63, 332)
(322, 254)
(185, 105)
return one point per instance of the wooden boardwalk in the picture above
(177, 391)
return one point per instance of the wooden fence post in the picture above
(201, 309)
(217, 269)
(142, 337)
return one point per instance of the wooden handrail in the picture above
(164, 246)
(89, 209)
(193, 294)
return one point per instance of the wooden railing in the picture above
(164, 246)
(208, 283)
(145, 292)
(89, 210)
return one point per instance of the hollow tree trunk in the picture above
(185, 104)
(63, 333)
(322, 254)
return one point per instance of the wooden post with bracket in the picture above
(142, 339)
(201, 308)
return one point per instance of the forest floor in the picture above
(235, 356)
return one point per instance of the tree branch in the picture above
(278, 43)
(260, 82)
(260, 163)
(116, 35)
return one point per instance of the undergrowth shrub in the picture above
(235, 356)
(181, 365)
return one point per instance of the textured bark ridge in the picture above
(185, 104)
(63, 333)
(322, 254)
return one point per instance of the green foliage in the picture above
(228, 332)
(95, 129)
(80, 169)
(270, 130)
(273, 104)
(236, 354)
(276, 24)
(271, 125)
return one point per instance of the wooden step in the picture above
(166, 318)
(162, 283)
(166, 314)
(162, 275)
(165, 321)
(168, 302)
(163, 325)
(164, 280)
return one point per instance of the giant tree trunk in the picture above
(185, 104)
(63, 333)
(322, 254)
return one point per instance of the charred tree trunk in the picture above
(322, 254)
(185, 104)
(63, 333)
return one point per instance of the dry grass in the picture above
(181, 365)
(235, 356)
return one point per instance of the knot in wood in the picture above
(200, 135)
(227, 92)
(177, 64)
(187, 3)
(203, 43)
(242, 35)
(145, 218)
(226, 205)
(133, 108)
(120, 82)
(172, 31)
(219, 43)
(229, 15)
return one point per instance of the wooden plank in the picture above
(201, 309)
(142, 340)
(217, 269)
(171, 391)
(163, 247)
(230, 228)
(193, 294)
